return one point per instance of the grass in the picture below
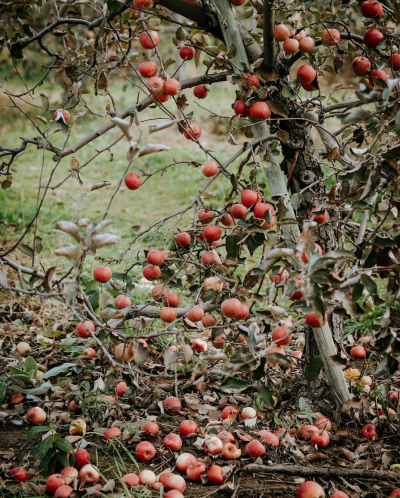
(132, 211)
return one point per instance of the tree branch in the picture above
(269, 42)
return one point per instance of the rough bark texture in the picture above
(306, 171)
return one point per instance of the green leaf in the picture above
(302, 404)
(53, 372)
(34, 390)
(313, 369)
(64, 445)
(45, 445)
(45, 461)
(3, 388)
(16, 51)
(36, 430)
(259, 372)
(233, 383)
(232, 51)
(266, 396)
(63, 459)
(31, 367)
(113, 6)
(369, 284)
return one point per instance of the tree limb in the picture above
(269, 42)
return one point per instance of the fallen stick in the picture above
(297, 470)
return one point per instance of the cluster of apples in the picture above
(62, 485)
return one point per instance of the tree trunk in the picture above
(277, 184)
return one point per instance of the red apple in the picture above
(331, 36)
(213, 446)
(255, 449)
(209, 168)
(102, 274)
(323, 423)
(82, 457)
(151, 428)
(131, 480)
(240, 108)
(17, 398)
(192, 132)
(229, 412)
(155, 258)
(149, 40)
(291, 46)
(310, 489)
(369, 431)
(151, 272)
(23, 348)
(175, 482)
(147, 477)
(250, 197)
(372, 38)
(36, 416)
(19, 474)
(358, 352)
(208, 258)
(111, 433)
(132, 180)
(306, 74)
(227, 220)
(168, 315)
(172, 442)
(173, 493)
(172, 404)
(212, 233)
(172, 87)
(377, 73)
(238, 211)
(195, 470)
(159, 292)
(182, 239)
(307, 44)
(188, 427)
(226, 437)
(121, 388)
(281, 32)
(215, 474)
(145, 451)
(53, 482)
(231, 308)
(395, 492)
(89, 474)
(394, 62)
(88, 353)
(361, 65)
(307, 430)
(187, 52)
(208, 320)
(122, 301)
(85, 329)
(339, 494)
(259, 111)
(251, 79)
(63, 491)
(314, 320)
(281, 336)
(184, 460)
(269, 438)
(371, 9)
(148, 69)
(231, 452)
(200, 91)
(196, 314)
(320, 438)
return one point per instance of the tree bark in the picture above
(277, 184)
